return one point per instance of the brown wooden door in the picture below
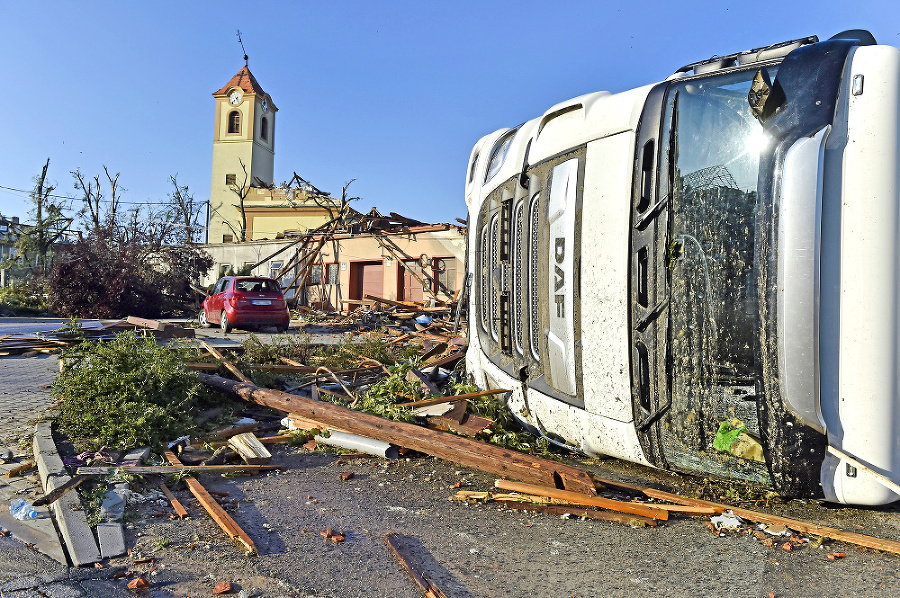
(367, 278)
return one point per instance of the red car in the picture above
(243, 302)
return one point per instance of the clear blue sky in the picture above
(393, 94)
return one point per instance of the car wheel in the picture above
(282, 328)
(204, 323)
(226, 325)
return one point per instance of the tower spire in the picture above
(242, 48)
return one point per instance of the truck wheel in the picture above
(226, 325)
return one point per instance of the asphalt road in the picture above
(467, 550)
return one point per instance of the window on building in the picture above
(264, 129)
(275, 269)
(230, 179)
(334, 274)
(228, 238)
(445, 276)
(315, 275)
(234, 122)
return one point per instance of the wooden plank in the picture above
(145, 323)
(173, 469)
(226, 363)
(304, 423)
(795, 524)
(403, 304)
(579, 512)
(472, 453)
(454, 398)
(215, 510)
(250, 449)
(423, 583)
(180, 511)
(890, 484)
(450, 360)
(20, 469)
(583, 499)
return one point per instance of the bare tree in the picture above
(242, 191)
(35, 246)
(94, 214)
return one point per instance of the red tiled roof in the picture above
(245, 80)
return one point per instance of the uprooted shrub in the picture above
(125, 393)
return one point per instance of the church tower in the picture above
(243, 151)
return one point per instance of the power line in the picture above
(130, 203)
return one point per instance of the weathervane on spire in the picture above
(242, 47)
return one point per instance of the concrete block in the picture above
(111, 538)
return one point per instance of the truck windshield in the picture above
(712, 166)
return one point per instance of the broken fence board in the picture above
(579, 512)
(452, 399)
(472, 453)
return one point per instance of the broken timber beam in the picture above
(471, 453)
(215, 510)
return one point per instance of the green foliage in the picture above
(23, 299)
(91, 499)
(381, 398)
(292, 347)
(245, 270)
(125, 393)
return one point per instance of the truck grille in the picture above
(518, 327)
(533, 248)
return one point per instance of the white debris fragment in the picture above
(727, 521)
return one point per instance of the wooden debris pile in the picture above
(51, 341)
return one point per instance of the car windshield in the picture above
(256, 286)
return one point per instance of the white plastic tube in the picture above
(359, 443)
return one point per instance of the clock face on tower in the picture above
(265, 104)
(234, 97)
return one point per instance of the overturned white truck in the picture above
(714, 253)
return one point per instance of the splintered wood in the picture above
(250, 449)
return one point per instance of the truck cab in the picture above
(713, 253)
